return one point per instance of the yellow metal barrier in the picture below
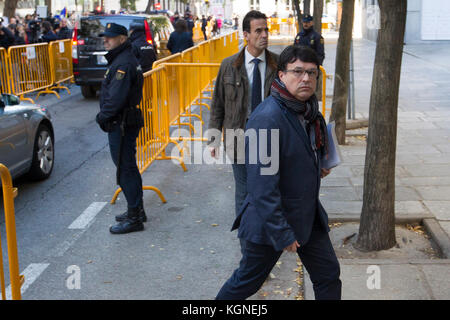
(61, 70)
(36, 67)
(8, 198)
(324, 90)
(192, 91)
(282, 26)
(154, 137)
(197, 33)
(4, 72)
(175, 84)
(29, 69)
(274, 25)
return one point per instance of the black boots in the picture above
(130, 221)
(141, 215)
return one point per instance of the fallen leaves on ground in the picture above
(334, 225)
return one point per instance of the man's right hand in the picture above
(293, 247)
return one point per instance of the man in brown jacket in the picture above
(243, 82)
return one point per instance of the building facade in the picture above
(426, 20)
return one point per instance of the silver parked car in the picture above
(26, 138)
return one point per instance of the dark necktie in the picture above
(256, 85)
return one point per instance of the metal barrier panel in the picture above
(4, 71)
(8, 199)
(61, 60)
(169, 59)
(29, 68)
(282, 26)
(154, 137)
(175, 84)
(324, 90)
(197, 33)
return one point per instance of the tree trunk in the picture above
(149, 6)
(48, 3)
(377, 226)
(10, 8)
(318, 11)
(340, 93)
(299, 14)
(307, 7)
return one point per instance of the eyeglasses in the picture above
(299, 73)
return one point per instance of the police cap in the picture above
(114, 30)
(307, 18)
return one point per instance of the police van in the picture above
(88, 51)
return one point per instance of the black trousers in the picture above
(130, 177)
(257, 261)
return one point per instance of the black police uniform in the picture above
(312, 39)
(143, 50)
(121, 91)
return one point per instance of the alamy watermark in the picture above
(374, 280)
(263, 148)
(373, 17)
(74, 280)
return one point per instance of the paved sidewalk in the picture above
(422, 179)
(422, 172)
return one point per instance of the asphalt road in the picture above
(65, 249)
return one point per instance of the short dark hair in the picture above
(251, 15)
(47, 26)
(181, 26)
(294, 52)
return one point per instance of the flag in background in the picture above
(63, 13)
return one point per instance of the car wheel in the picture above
(43, 154)
(88, 92)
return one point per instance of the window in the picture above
(254, 4)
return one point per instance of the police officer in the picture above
(143, 50)
(310, 38)
(121, 92)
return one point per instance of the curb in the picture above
(399, 219)
(308, 287)
(439, 236)
(431, 226)
(356, 124)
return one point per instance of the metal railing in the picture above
(324, 90)
(16, 280)
(171, 89)
(40, 67)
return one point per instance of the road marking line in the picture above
(87, 216)
(31, 273)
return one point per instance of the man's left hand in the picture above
(324, 172)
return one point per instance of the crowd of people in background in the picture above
(179, 39)
(32, 29)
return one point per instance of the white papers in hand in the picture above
(334, 156)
